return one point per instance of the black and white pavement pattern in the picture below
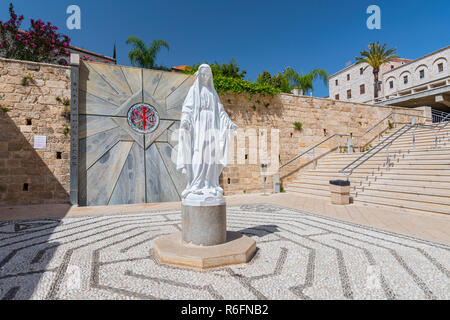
(300, 256)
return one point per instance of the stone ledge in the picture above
(171, 250)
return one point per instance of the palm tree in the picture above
(376, 57)
(143, 56)
(304, 82)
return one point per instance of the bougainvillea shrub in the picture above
(41, 43)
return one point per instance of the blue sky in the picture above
(260, 35)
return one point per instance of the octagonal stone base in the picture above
(238, 249)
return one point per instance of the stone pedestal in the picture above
(340, 192)
(204, 226)
(237, 249)
(204, 242)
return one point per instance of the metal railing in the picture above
(438, 116)
(348, 170)
(385, 144)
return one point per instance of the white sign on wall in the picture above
(40, 142)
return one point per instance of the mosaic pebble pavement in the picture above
(300, 256)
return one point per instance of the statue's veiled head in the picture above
(204, 75)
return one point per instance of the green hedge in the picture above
(227, 84)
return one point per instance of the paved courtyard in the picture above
(300, 256)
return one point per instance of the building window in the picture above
(391, 84)
(349, 94)
(405, 79)
(361, 71)
(348, 77)
(337, 82)
(422, 74)
(362, 89)
(440, 67)
(336, 97)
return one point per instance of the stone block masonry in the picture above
(29, 108)
(320, 118)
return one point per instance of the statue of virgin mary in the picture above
(204, 139)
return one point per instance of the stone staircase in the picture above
(418, 179)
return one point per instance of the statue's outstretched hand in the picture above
(233, 126)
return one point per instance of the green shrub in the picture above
(298, 126)
(26, 78)
(66, 130)
(391, 125)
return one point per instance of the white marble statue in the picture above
(205, 135)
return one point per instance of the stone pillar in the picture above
(75, 67)
(205, 225)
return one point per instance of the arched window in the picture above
(421, 73)
(439, 66)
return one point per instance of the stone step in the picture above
(430, 138)
(430, 159)
(395, 169)
(440, 151)
(409, 177)
(394, 185)
(316, 181)
(409, 190)
(431, 135)
(411, 205)
(408, 183)
(393, 165)
(406, 197)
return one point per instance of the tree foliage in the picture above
(305, 82)
(278, 81)
(144, 56)
(231, 69)
(41, 43)
(377, 55)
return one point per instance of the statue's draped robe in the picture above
(203, 149)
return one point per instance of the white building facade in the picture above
(425, 80)
(356, 82)
(408, 83)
